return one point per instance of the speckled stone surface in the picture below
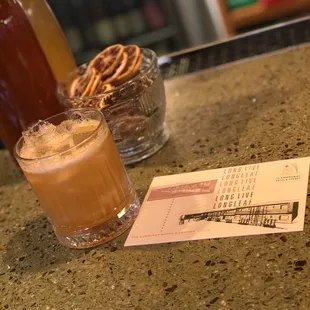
(253, 111)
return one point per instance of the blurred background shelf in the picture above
(164, 25)
(90, 26)
(153, 37)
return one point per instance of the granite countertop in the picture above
(252, 111)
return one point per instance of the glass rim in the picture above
(25, 159)
(117, 88)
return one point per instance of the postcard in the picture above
(245, 200)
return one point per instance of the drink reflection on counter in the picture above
(34, 54)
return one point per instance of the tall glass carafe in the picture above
(34, 55)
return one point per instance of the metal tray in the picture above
(254, 43)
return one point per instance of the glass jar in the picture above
(134, 111)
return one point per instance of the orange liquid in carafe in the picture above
(50, 37)
(33, 56)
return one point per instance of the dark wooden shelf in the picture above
(258, 13)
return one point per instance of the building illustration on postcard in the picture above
(266, 215)
(237, 201)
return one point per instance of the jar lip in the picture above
(21, 139)
(153, 58)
